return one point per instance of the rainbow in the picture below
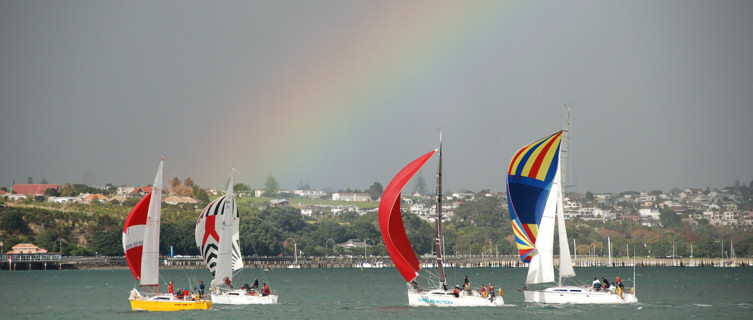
(357, 76)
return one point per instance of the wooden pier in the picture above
(59, 262)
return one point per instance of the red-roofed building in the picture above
(26, 248)
(33, 189)
(139, 192)
(88, 198)
(143, 190)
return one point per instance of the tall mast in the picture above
(437, 239)
(564, 150)
(566, 264)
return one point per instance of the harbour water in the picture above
(664, 293)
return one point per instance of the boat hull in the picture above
(169, 305)
(576, 295)
(239, 297)
(441, 298)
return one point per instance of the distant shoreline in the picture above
(343, 262)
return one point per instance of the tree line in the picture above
(481, 226)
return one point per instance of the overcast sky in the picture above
(345, 93)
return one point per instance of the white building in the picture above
(310, 194)
(649, 213)
(351, 197)
(419, 209)
(62, 199)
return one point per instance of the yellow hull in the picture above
(167, 305)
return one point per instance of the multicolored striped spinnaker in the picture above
(529, 180)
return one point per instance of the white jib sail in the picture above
(150, 253)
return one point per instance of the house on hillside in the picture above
(62, 199)
(124, 191)
(88, 198)
(139, 192)
(310, 194)
(351, 197)
(15, 196)
(278, 202)
(308, 211)
(33, 189)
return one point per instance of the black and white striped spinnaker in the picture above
(218, 237)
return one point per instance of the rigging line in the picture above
(194, 276)
(251, 243)
(430, 281)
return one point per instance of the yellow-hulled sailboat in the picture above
(141, 247)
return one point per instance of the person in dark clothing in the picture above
(256, 284)
(605, 283)
(201, 287)
(596, 284)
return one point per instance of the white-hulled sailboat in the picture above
(141, 247)
(535, 200)
(218, 239)
(403, 256)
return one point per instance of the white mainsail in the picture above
(150, 253)
(566, 264)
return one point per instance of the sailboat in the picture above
(141, 247)
(609, 246)
(731, 262)
(535, 200)
(403, 256)
(218, 239)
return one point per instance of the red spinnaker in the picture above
(391, 221)
(136, 221)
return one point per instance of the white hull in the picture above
(241, 297)
(576, 295)
(441, 298)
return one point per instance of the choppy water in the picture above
(664, 293)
